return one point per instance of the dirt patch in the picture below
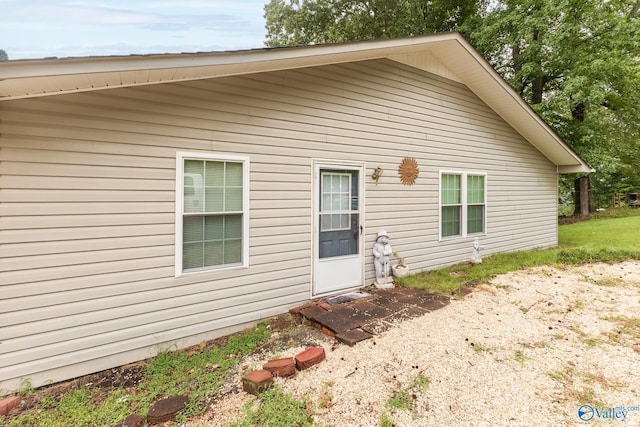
(101, 384)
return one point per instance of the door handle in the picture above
(361, 228)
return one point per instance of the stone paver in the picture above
(353, 320)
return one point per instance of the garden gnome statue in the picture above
(381, 253)
(475, 256)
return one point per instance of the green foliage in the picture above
(198, 374)
(420, 384)
(400, 400)
(576, 62)
(596, 240)
(76, 408)
(385, 421)
(276, 408)
(479, 348)
(448, 280)
(603, 235)
(302, 22)
(3, 55)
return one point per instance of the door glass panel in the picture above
(339, 215)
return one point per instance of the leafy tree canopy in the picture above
(302, 22)
(577, 62)
(3, 55)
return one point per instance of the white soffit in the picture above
(446, 54)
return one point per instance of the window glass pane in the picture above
(326, 183)
(344, 221)
(338, 234)
(451, 221)
(345, 185)
(214, 253)
(215, 240)
(335, 222)
(475, 219)
(214, 199)
(232, 251)
(233, 227)
(336, 195)
(195, 167)
(335, 184)
(336, 202)
(234, 174)
(326, 202)
(193, 186)
(233, 199)
(214, 174)
(214, 228)
(451, 190)
(193, 229)
(212, 187)
(475, 189)
(325, 220)
(192, 255)
(345, 201)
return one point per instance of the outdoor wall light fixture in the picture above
(377, 173)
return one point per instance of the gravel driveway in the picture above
(541, 346)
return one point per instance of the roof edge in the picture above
(35, 78)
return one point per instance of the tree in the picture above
(3, 55)
(577, 63)
(302, 22)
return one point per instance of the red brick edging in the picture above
(258, 381)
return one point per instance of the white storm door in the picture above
(337, 228)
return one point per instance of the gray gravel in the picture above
(530, 348)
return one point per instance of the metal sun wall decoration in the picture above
(408, 171)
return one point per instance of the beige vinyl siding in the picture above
(87, 185)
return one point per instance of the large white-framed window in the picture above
(463, 203)
(212, 212)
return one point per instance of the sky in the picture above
(72, 28)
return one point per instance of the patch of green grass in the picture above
(197, 374)
(404, 400)
(584, 337)
(571, 390)
(479, 348)
(599, 233)
(447, 280)
(326, 397)
(591, 342)
(400, 400)
(627, 329)
(611, 282)
(276, 408)
(597, 240)
(420, 384)
(385, 421)
(76, 408)
(520, 357)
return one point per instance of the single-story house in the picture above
(150, 202)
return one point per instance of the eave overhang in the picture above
(446, 54)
